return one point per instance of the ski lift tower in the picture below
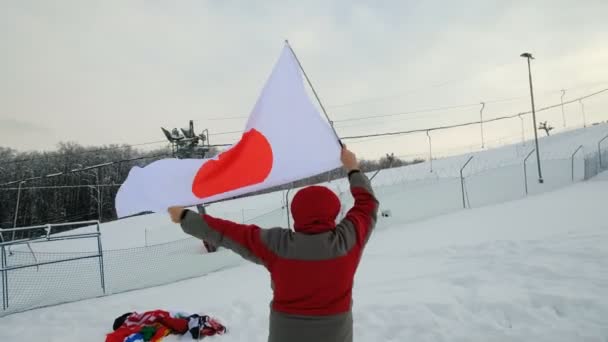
(186, 144)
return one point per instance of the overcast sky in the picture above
(101, 72)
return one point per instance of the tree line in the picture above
(76, 196)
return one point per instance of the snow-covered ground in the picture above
(492, 176)
(511, 268)
(534, 269)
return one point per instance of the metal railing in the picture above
(5, 269)
(464, 204)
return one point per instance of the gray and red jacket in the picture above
(312, 273)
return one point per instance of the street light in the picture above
(583, 110)
(528, 56)
(563, 113)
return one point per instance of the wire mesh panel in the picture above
(40, 270)
(42, 279)
(55, 282)
(494, 186)
(592, 163)
(416, 200)
(137, 268)
(34, 279)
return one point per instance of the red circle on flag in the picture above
(247, 163)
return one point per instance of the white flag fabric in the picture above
(285, 139)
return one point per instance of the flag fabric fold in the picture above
(286, 139)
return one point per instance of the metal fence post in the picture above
(99, 206)
(599, 150)
(525, 171)
(17, 208)
(572, 160)
(464, 204)
(390, 165)
(483, 105)
(563, 113)
(101, 267)
(375, 174)
(33, 255)
(430, 150)
(583, 110)
(523, 135)
(4, 279)
(287, 207)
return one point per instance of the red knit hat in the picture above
(315, 209)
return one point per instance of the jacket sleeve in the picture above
(244, 240)
(361, 218)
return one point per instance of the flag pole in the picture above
(331, 123)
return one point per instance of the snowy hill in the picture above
(432, 193)
(509, 267)
(528, 270)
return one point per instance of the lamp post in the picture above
(528, 57)
(483, 105)
(583, 110)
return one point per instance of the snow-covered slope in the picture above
(158, 252)
(534, 269)
(601, 177)
(493, 176)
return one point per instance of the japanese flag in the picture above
(285, 139)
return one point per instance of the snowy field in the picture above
(492, 176)
(529, 270)
(510, 268)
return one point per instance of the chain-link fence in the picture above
(33, 279)
(29, 279)
(598, 161)
(40, 270)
